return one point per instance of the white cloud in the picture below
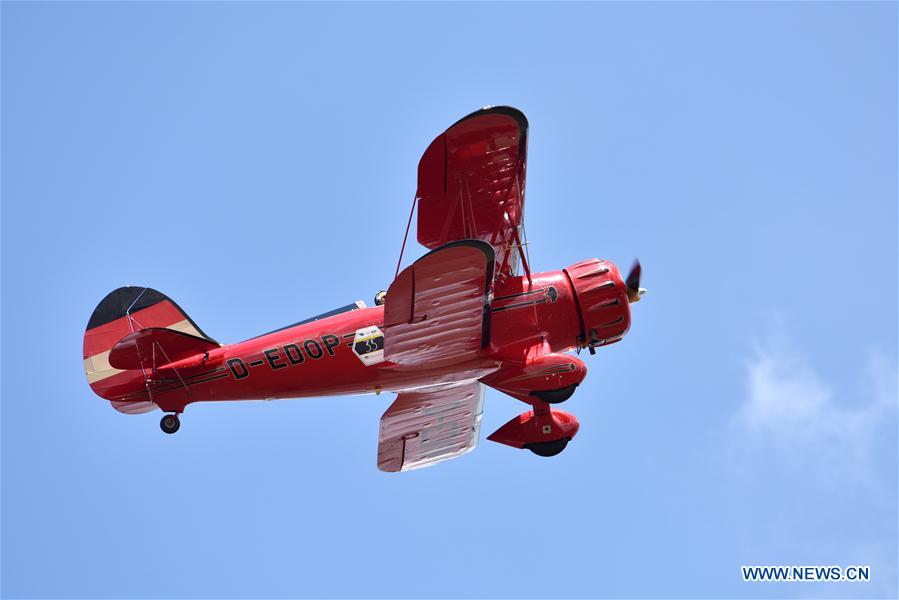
(793, 408)
(833, 434)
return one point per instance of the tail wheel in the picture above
(556, 396)
(170, 423)
(548, 448)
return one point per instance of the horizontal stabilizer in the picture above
(134, 408)
(156, 347)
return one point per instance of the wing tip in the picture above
(502, 109)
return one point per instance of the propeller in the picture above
(634, 291)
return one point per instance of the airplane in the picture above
(467, 315)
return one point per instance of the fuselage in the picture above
(343, 353)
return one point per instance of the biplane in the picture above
(467, 315)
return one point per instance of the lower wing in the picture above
(425, 427)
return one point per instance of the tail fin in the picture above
(123, 312)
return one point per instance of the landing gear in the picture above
(556, 396)
(548, 448)
(543, 431)
(170, 423)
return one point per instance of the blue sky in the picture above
(257, 163)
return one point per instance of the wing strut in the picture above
(405, 237)
(522, 250)
(524, 260)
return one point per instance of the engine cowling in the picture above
(602, 300)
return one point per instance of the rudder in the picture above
(122, 312)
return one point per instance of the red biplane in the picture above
(468, 314)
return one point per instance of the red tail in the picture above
(121, 313)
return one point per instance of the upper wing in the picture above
(422, 428)
(471, 184)
(436, 311)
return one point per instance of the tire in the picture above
(556, 396)
(548, 448)
(170, 424)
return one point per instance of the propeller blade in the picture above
(634, 291)
(633, 278)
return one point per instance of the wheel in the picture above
(170, 423)
(556, 396)
(548, 448)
